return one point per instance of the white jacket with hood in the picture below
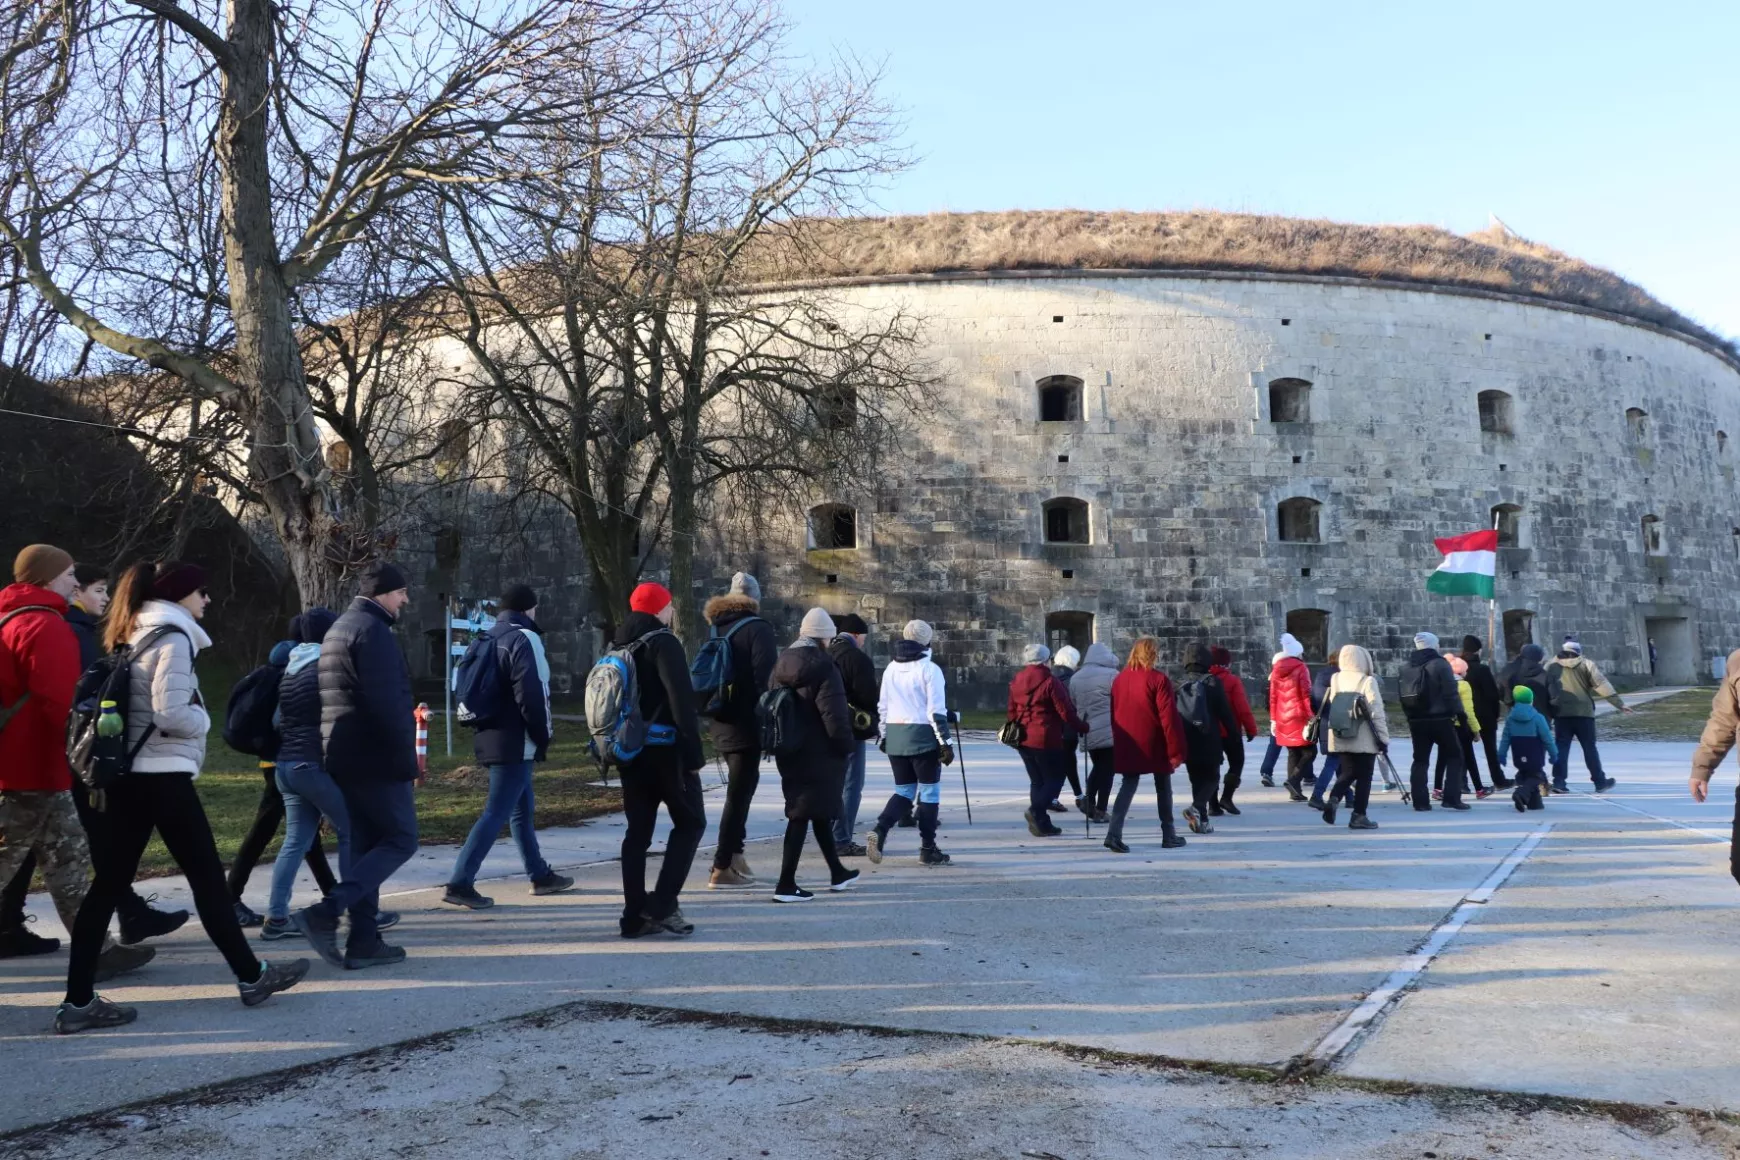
(165, 692)
(1091, 690)
(1355, 676)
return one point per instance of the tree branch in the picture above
(215, 45)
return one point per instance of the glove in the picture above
(947, 755)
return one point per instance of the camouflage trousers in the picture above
(49, 824)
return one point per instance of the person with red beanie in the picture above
(667, 772)
(1247, 725)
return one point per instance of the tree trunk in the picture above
(687, 622)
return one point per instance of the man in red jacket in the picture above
(39, 671)
(1231, 740)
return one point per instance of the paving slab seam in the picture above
(1716, 836)
(1335, 1048)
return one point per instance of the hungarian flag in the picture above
(1468, 567)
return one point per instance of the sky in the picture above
(1610, 131)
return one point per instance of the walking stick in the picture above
(961, 756)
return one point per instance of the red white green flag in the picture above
(1470, 562)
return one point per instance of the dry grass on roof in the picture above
(1493, 259)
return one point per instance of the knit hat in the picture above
(1068, 657)
(1196, 656)
(1572, 647)
(310, 627)
(1290, 645)
(1035, 654)
(852, 623)
(41, 565)
(519, 598)
(818, 625)
(1425, 640)
(177, 581)
(743, 584)
(918, 632)
(1220, 655)
(1471, 644)
(1523, 695)
(1458, 666)
(649, 598)
(381, 579)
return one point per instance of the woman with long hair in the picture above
(156, 613)
(1147, 738)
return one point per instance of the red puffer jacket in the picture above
(1290, 704)
(39, 655)
(1147, 733)
(1040, 702)
(1241, 704)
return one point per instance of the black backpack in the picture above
(100, 761)
(251, 721)
(785, 721)
(1193, 707)
(1412, 684)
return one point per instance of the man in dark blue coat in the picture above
(512, 736)
(370, 740)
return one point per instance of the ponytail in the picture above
(130, 595)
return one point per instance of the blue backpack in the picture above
(613, 717)
(481, 698)
(713, 670)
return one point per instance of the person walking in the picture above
(1291, 707)
(84, 613)
(515, 737)
(39, 819)
(1654, 657)
(667, 771)
(156, 613)
(1147, 739)
(368, 735)
(1064, 664)
(1206, 715)
(1488, 703)
(1040, 705)
(1357, 730)
(858, 673)
(1465, 733)
(1090, 691)
(1244, 729)
(736, 735)
(1432, 703)
(1320, 704)
(914, 723)
(1573, 684)
(1721, 730)
(813, 777)
(1529, 736)
(1273, 751)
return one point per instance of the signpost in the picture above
(476, 621)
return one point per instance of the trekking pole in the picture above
(961, 756)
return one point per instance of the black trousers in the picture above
(168, 803)
(652, 780)
(795, 829)
(1204, 783)
(1099, 781)
(1464, 741)
(1489, 742)
(13, 893)
(1234, 748)
(742, 778)
(1353, 780)
(1045, 774)
(1072, 772)
(1440, 732)
(1530, 776)
(1300, 759)
(268, 816)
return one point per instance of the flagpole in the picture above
(1492, 603)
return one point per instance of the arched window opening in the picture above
(833, 526)
(1289, 401)
(452, 448)
(1075, 629)
(1311, 627)
(1637, 419)
(1507, 520)
(1496, 414)
(1519, 630)
(1059, 399)
(837, 407)
(338, 456)
(1066, 521)
(1654, 541)
(1298, 521)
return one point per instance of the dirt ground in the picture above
(587, 1082)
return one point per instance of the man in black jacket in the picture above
(858, 671)
(1432, 704)
(736, 733)
(1487, 701)
(369, 735)
(663, 774)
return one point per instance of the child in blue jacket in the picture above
(1532, 736)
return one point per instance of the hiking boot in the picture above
(1464, 806)
(1604, 786)
(1315, 803)
(274, 929)
(1116, 846)
(16, 942)
(1215, 809)
(1269, 781)
(141, 921)
(931, 856)
(1227, 807)
(1518, 803)
(1561, 787)
(118, 960)
(846, 883)
(1361, 822)
(96, 1014)
(1329, 812)
(725, 878)
(674, 923)
(245, 917)
(795, 894)
(1081, 806)
(1040, 826)
(1171, 841)
(552, 883)
(1102, 818)
(321, 930)
(639, 927)
(378, 954)
(741, 864)
(851, 850)
(1032, 826)
(466, 896)
(274, 977)
(873, 844)
(1293, 794)
(1194, 820)
(1057, 807)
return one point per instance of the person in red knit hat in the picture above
(667, 772)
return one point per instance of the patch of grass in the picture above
(1679, 717)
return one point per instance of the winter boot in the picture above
(1361, 822)
(927, 819)
(1171, 840)
(931, 856)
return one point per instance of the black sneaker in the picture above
(466, 896)
(1561, 787)
(1215, 809)
(1032, 825)
(674, 923)
(381, 954)
(1057, 807)
(1294, 795)
(274, 929)
(1361, 822)
(1329, 812)
(245, 917)
(386, 920)
(873, 842)
(274, 977)
(1081, 806)
(1462, 806)
(1269, 781)
(1604, 786)
(908, 822)
(1171, 841)
(142, 921)
(118, 960)
(96, 1014)
(552, 883)
(931, 856)
(1116, 846)
(16, 942)
(638, 927)
(321, 931)
(795, 894)
(846, 883)
(852, 850)
(1227, 807)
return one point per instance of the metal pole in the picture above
(447, 671)
(961, 756)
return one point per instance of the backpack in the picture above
(613, 717)
(251, 720)
(784, 723)
(715, 666)
(481, 697)
(6, 711)
(1347, 712)
(1412, 685)
(100, 761)
(1555, 690)
(1192, 701)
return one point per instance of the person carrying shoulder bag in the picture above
(1358, 730)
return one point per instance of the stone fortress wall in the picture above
(1233, 455)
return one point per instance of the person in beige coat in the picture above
(1358, 730)
(1720, 733)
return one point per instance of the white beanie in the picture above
(1035, 654)
(818, 625)
(1290, 645)
(918, 632)
(1425, 640)
(743, 584)
(1572, 646)
(1068, 657)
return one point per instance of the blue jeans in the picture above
(1331, 765)
(1270, 757)
(510, 801)
(1583, 730)
(853, 795)
(309, 794)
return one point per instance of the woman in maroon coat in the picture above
(1147, 737)
(1040, 703)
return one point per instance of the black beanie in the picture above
(519, 598)
(1471, 644)
(381, 579)
(851, 622)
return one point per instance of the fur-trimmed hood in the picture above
(728, 604)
